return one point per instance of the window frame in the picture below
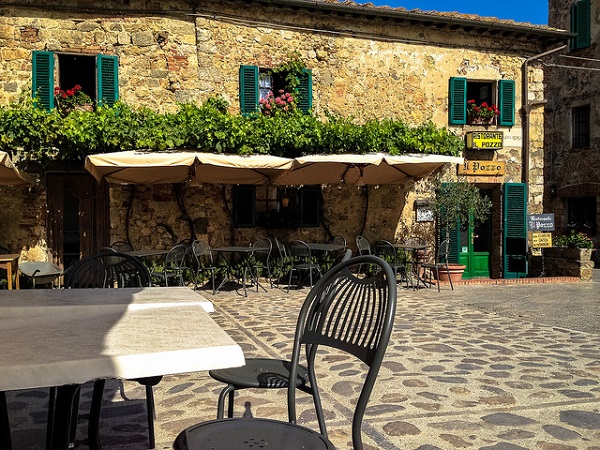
(580, 127)
(503, 94)
(249, 89)
(45, 73)
(580, 23)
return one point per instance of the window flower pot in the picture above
(485, 121)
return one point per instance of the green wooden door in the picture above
(475, 247)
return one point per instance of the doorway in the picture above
(476, 246)
(78, 216)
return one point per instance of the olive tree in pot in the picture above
(456, 205)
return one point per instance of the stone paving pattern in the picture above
(481, 367)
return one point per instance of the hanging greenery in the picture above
(33, 134)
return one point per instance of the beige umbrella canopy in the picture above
(10, 175)
(137, 167)
(236, 169)
(362, 169)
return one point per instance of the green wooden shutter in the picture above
(249, 89)
(305, 91)
(108, 79)
(580, 24)
(514, 232)
(244, 199)
(452, 233)
(42, 85)
(506, 102)
(457, 101)
(310, 206)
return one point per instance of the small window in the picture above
(580, 24)
(581, 214)
(256, 84)
(96, 74)
(276, 207)
(581, 126)
(500, 93)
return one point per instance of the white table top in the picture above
(53, 337)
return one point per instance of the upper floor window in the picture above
(501, 93)
(96, 75)
(580, 24)
(580, 117)
(257, 83)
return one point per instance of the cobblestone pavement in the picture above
(481, 367)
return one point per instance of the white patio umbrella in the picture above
(10, 175)
(142, 167)
(195, 168)
(235, 169)
(362, 169)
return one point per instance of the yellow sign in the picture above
(485, 139)
(482, 168)
(541, 240)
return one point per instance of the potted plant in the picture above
(574, 245)
(455, 205)
(482, 114)
(72, 99)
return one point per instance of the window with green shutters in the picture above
(256, 83)
(98, 75)
(580, 24)
(461, 90)
(514, 230)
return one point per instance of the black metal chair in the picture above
(302, 261)
(121, 246)
(260, 260)
(363, 245)
(173, 266)
(280, 265)
(108, 270)
(440, 264)
(204, 262)
(343, 311)
(385, 250)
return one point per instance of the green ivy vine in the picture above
(33, 134)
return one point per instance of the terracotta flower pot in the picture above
(456, 273)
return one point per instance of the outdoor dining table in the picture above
(10, 262)
(67, 337)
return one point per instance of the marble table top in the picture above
(53, 337)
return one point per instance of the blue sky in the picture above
(533, 11)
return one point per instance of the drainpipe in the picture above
(525, 110)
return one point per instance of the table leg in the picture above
(5, 441)
(63, 411)
(9, 275)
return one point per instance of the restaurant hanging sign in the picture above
(489, 168)
(485, 140)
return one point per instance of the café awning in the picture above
(362, 169)
(10, 175)
(195, 168)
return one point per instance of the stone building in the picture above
(572, 161)
(364, 61)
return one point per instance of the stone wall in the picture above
(363, 66)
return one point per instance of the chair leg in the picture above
(226, 392)
(94, 420)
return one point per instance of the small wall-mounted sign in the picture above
(482, 168)
(479, 140)
(541, 240)
(541, 222)
(424, 211)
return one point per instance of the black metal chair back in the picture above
(301, 261)
(261, 260)
(363, 245)
(338, 239)
(121, 246)
(204, 262)
(108, 270)
(174, 265)
(346, 311)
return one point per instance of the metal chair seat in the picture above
(257, 373)
(231, 434)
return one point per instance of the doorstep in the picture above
(535, 280)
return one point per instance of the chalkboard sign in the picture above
(540, 222)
